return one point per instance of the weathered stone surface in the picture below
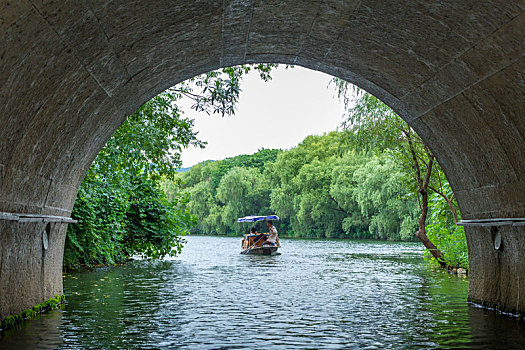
(496, 276)
(29, 274)
(71, 71)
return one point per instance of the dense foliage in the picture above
(320, 188)
(224, 190)
(121, 208)
(375, 180)
(377, 128)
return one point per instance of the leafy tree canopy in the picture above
(120, 207)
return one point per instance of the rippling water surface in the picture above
(318, 294)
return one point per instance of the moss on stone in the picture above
(27, 314)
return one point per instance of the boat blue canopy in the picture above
(254, 218)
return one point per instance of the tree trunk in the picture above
(423, 186)
(422, 231)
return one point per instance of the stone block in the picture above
(499, 100)
(10, 13)
(30, 273)
(499, 49)
(331, 19)
(495, 275)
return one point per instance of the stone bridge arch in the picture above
(71, 71)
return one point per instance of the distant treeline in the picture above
(321, 188)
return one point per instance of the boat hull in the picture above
(261, 251)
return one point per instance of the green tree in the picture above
(318, 210)
(202, 205)
(314, 188)
(242, 191)
(376, 127)
(120, 208)
(123, 180)
(203, 180)
(342, 189)
(392, 213)
(300, 179)
(442, 228)
(100, 208)
(154, 223)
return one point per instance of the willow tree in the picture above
(377, 128)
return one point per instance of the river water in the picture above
(317, 294)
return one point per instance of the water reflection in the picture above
(316, 294)
(492, 331)
(42, 332)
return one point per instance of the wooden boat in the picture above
(257, 243)
(252, 245)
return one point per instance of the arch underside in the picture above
(72, 71)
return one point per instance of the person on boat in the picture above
(272, 231)
(261, 237)
(253, 231)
